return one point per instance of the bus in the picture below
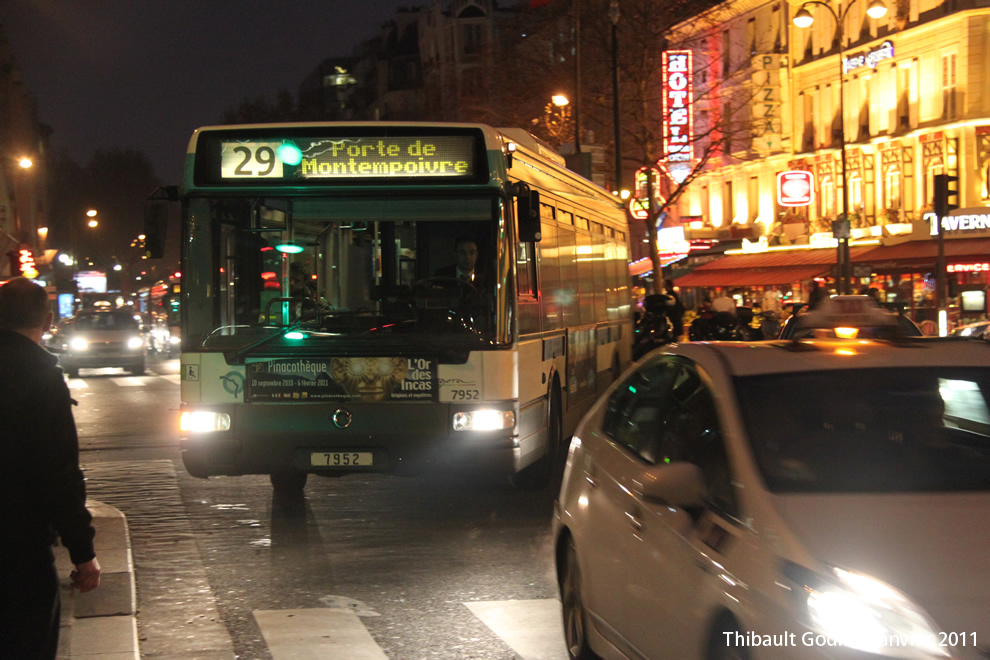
(318, 336)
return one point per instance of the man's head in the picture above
(299, 280)
(24, 308)
(467, 254)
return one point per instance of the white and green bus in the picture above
(321, 333)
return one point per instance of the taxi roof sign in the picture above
(848, 312)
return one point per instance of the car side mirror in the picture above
(527, 213)
(679, 484)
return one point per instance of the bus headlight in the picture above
(484, 420)
(78, 344)
(203, 421)
(134, 342)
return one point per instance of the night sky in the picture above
(143, 74)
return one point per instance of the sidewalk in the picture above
(101, 624)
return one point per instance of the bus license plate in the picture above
(341, 459)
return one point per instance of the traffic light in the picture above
(946, 197)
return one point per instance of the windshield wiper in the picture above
(242, 352)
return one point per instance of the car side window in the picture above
(690, 431)
(705, 447)
(637, 407)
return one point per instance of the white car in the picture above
(815, 498)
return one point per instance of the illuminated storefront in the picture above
(913, 104)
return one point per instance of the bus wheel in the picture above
(288, 482)
(538, 475)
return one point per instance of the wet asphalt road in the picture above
(404, 553)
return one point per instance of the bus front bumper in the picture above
(333, 439)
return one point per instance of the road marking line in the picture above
(77, 384)
(316, 634)
(532, 628)
(128, 381)
(175, 379)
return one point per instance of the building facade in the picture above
(23, 189)
(903, 97)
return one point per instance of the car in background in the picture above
(972, 330)
(99, 338)
(810, 498)
(792, 330)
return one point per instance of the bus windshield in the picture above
(408, 271)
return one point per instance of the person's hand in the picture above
(86, 577)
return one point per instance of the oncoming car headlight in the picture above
(863, 613)
(78, 344)
(484, 420)
(203, 421)
(134, 342)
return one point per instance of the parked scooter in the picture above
(716, 326)
(653, 327)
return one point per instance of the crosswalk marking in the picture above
(124, 381)
(128, 381)
(316, 634)
(532, 628)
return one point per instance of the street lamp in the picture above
(802, 19)
(557, 117)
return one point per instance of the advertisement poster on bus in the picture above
(343, 379)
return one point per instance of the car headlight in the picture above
(135, 342)
(484, 420)
(863, 613)
(203, 421)
(173, 340)
(78, 344)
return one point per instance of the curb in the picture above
(101, 624)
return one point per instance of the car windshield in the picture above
(876, 430)
(105, 321)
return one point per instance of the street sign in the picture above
(795, 188)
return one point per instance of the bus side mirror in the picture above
(156, 209)
(528, 212)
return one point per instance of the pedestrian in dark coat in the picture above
(42, 492)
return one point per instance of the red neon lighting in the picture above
(269, 275)
(267, 249)
(678, 95)
(968, 268)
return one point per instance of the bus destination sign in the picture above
(358, 157)
(343, 379)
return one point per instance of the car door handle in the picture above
(634, 521)
(591, 479)
(706, 566)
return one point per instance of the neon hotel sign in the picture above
(678, 123)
